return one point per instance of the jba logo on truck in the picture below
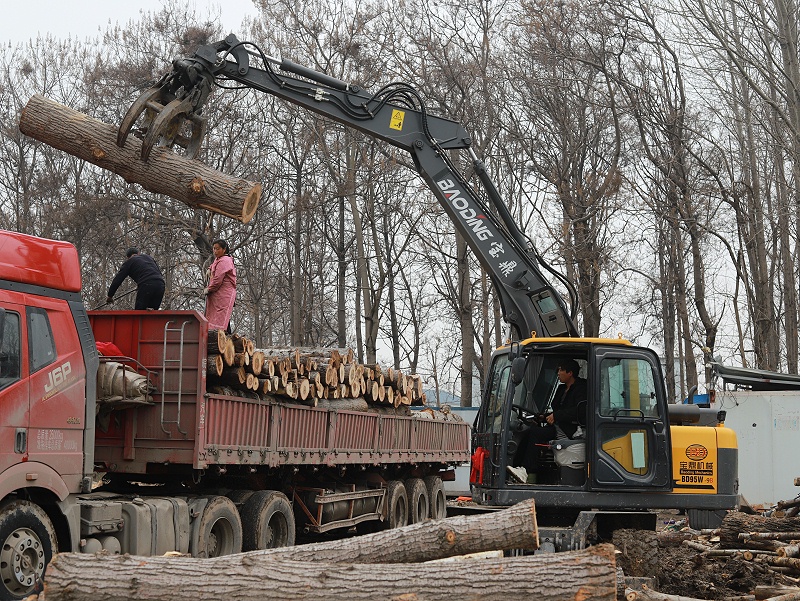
(56, 379)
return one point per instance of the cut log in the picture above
(264, 385)
(736, 522)
(231, 376)
(785, 597)
(647, 594)
(764, 591)
(358, 404)
(252, 382)
(793, 536)
(243, 344)
(303, 389)
(165, 172)
(241, 360)
(229, 353)
(587, 575)
(257, 362)
(215, 365)
(217, 341)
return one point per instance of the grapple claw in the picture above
(165, 129)
(165, 121)
(145, 101)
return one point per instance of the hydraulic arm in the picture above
(171, 115)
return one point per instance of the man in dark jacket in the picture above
(562, 421)
(143, 270)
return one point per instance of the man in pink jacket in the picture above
(221, 290)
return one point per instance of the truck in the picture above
(186, 470)
(637, 452)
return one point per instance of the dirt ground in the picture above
(683, 571)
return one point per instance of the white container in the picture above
(767, 426)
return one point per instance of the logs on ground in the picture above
(384, 565)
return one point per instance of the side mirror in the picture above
(518, 370)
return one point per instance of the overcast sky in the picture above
(22, 20)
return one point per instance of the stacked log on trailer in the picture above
(327, 377)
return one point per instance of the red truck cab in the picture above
(43, 367)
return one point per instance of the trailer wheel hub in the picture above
(22, 559)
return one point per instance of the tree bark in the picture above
(165, 172)
(588, 575)
(736, 522)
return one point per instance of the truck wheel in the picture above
(417, 494)
(28, 542)
(397, 505)
(239, 496)
(268, 521)
(219, 530)
(436, 497)
(638, 551)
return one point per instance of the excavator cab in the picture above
(618, 441)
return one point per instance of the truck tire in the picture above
(239, 496)
(28, 542)
(437, 501)
(418, 508)
(396, 505)
(638, 551)
(219, 531)
(267, 521)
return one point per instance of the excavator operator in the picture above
(561, 422)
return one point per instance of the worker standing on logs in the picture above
(221, 289)
(143, 270)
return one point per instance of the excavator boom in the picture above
(170, 114)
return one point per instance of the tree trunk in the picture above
(165, 172)
(588, 575)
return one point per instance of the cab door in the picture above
(14, 387)
(630, 446)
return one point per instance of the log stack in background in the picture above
(327, 377)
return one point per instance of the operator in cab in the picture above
(561, 422)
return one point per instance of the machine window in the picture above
(10, 350)
(627, 387)
(498, 385)
(40, 339)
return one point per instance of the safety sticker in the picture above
(397, 120)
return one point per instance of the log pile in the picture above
(392, 564)
(328, 377)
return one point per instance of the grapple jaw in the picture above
(168, 114)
